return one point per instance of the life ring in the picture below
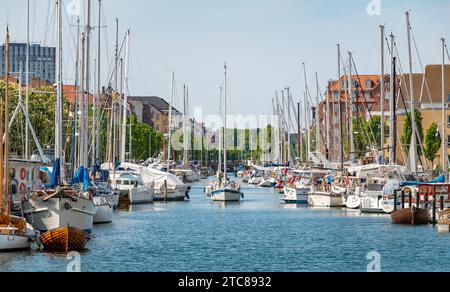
(23, 187)
(23, 174)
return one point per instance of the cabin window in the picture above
(448, 121)
(448, 141)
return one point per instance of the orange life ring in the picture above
(23, 174)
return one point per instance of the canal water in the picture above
(261, 234)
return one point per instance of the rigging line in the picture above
(133, 52)
(425, 81)
(408, 119)
(48, 19)
(359, 86)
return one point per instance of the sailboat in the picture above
(14, 232)
(64, 215)
(226, 191)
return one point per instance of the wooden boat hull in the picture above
(64, 239)
(411, 216)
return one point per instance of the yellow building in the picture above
(428, 99)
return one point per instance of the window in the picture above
(157, 127)
(448, 141)
(448, 121)
(368, 83)
(158, 117)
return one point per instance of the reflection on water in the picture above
(259, 234)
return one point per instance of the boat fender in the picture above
(67, 205)
(242, 195)
(187, 196)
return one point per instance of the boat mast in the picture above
(185, 131)
(306, 106)
(27, 81)
(225, 128)
(341, 132)
(58, 115)
(350, 96)
(318, 137)
(392, 146)
(5, 179)
(328, 126)
(87, 90)
(411, 93)
(96, 129)
(219, 167)
(75, 102)
(289, 155)
(169, 149)
(125, 99)
(444, 146)
(382, 95)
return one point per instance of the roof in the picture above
(158, 103)
(429, 91)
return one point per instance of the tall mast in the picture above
(169, 149)
(288, 92)
(328, 126)
(58, 115)
(318, 138)
(116, 73)
(185, 130)
(341, 132)
(444, 142)
(225, 164)
(307, 128)
(219, 167)
(27, 81)
(382, 93)
(125, 101)
(75, 106)
(5, 156)
(87, 85)
(392, 105)
(411, 93)
(351, 97)
(96, 130)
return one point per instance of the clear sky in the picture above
(264, 42)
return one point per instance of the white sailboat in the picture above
(226, 191)
(15, 233)
(59, 206)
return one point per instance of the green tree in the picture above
(433, 142)
(406, 137)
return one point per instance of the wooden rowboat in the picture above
(411, 216)
(64, 239)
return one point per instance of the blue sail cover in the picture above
(79, 176)
(439, 180)
(82, 177)
(86, 180)
(56, 175)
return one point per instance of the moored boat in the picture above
(64, 239)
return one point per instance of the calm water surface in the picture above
(260, 234)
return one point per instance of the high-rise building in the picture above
(42, 61)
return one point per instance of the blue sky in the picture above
(264, 42)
